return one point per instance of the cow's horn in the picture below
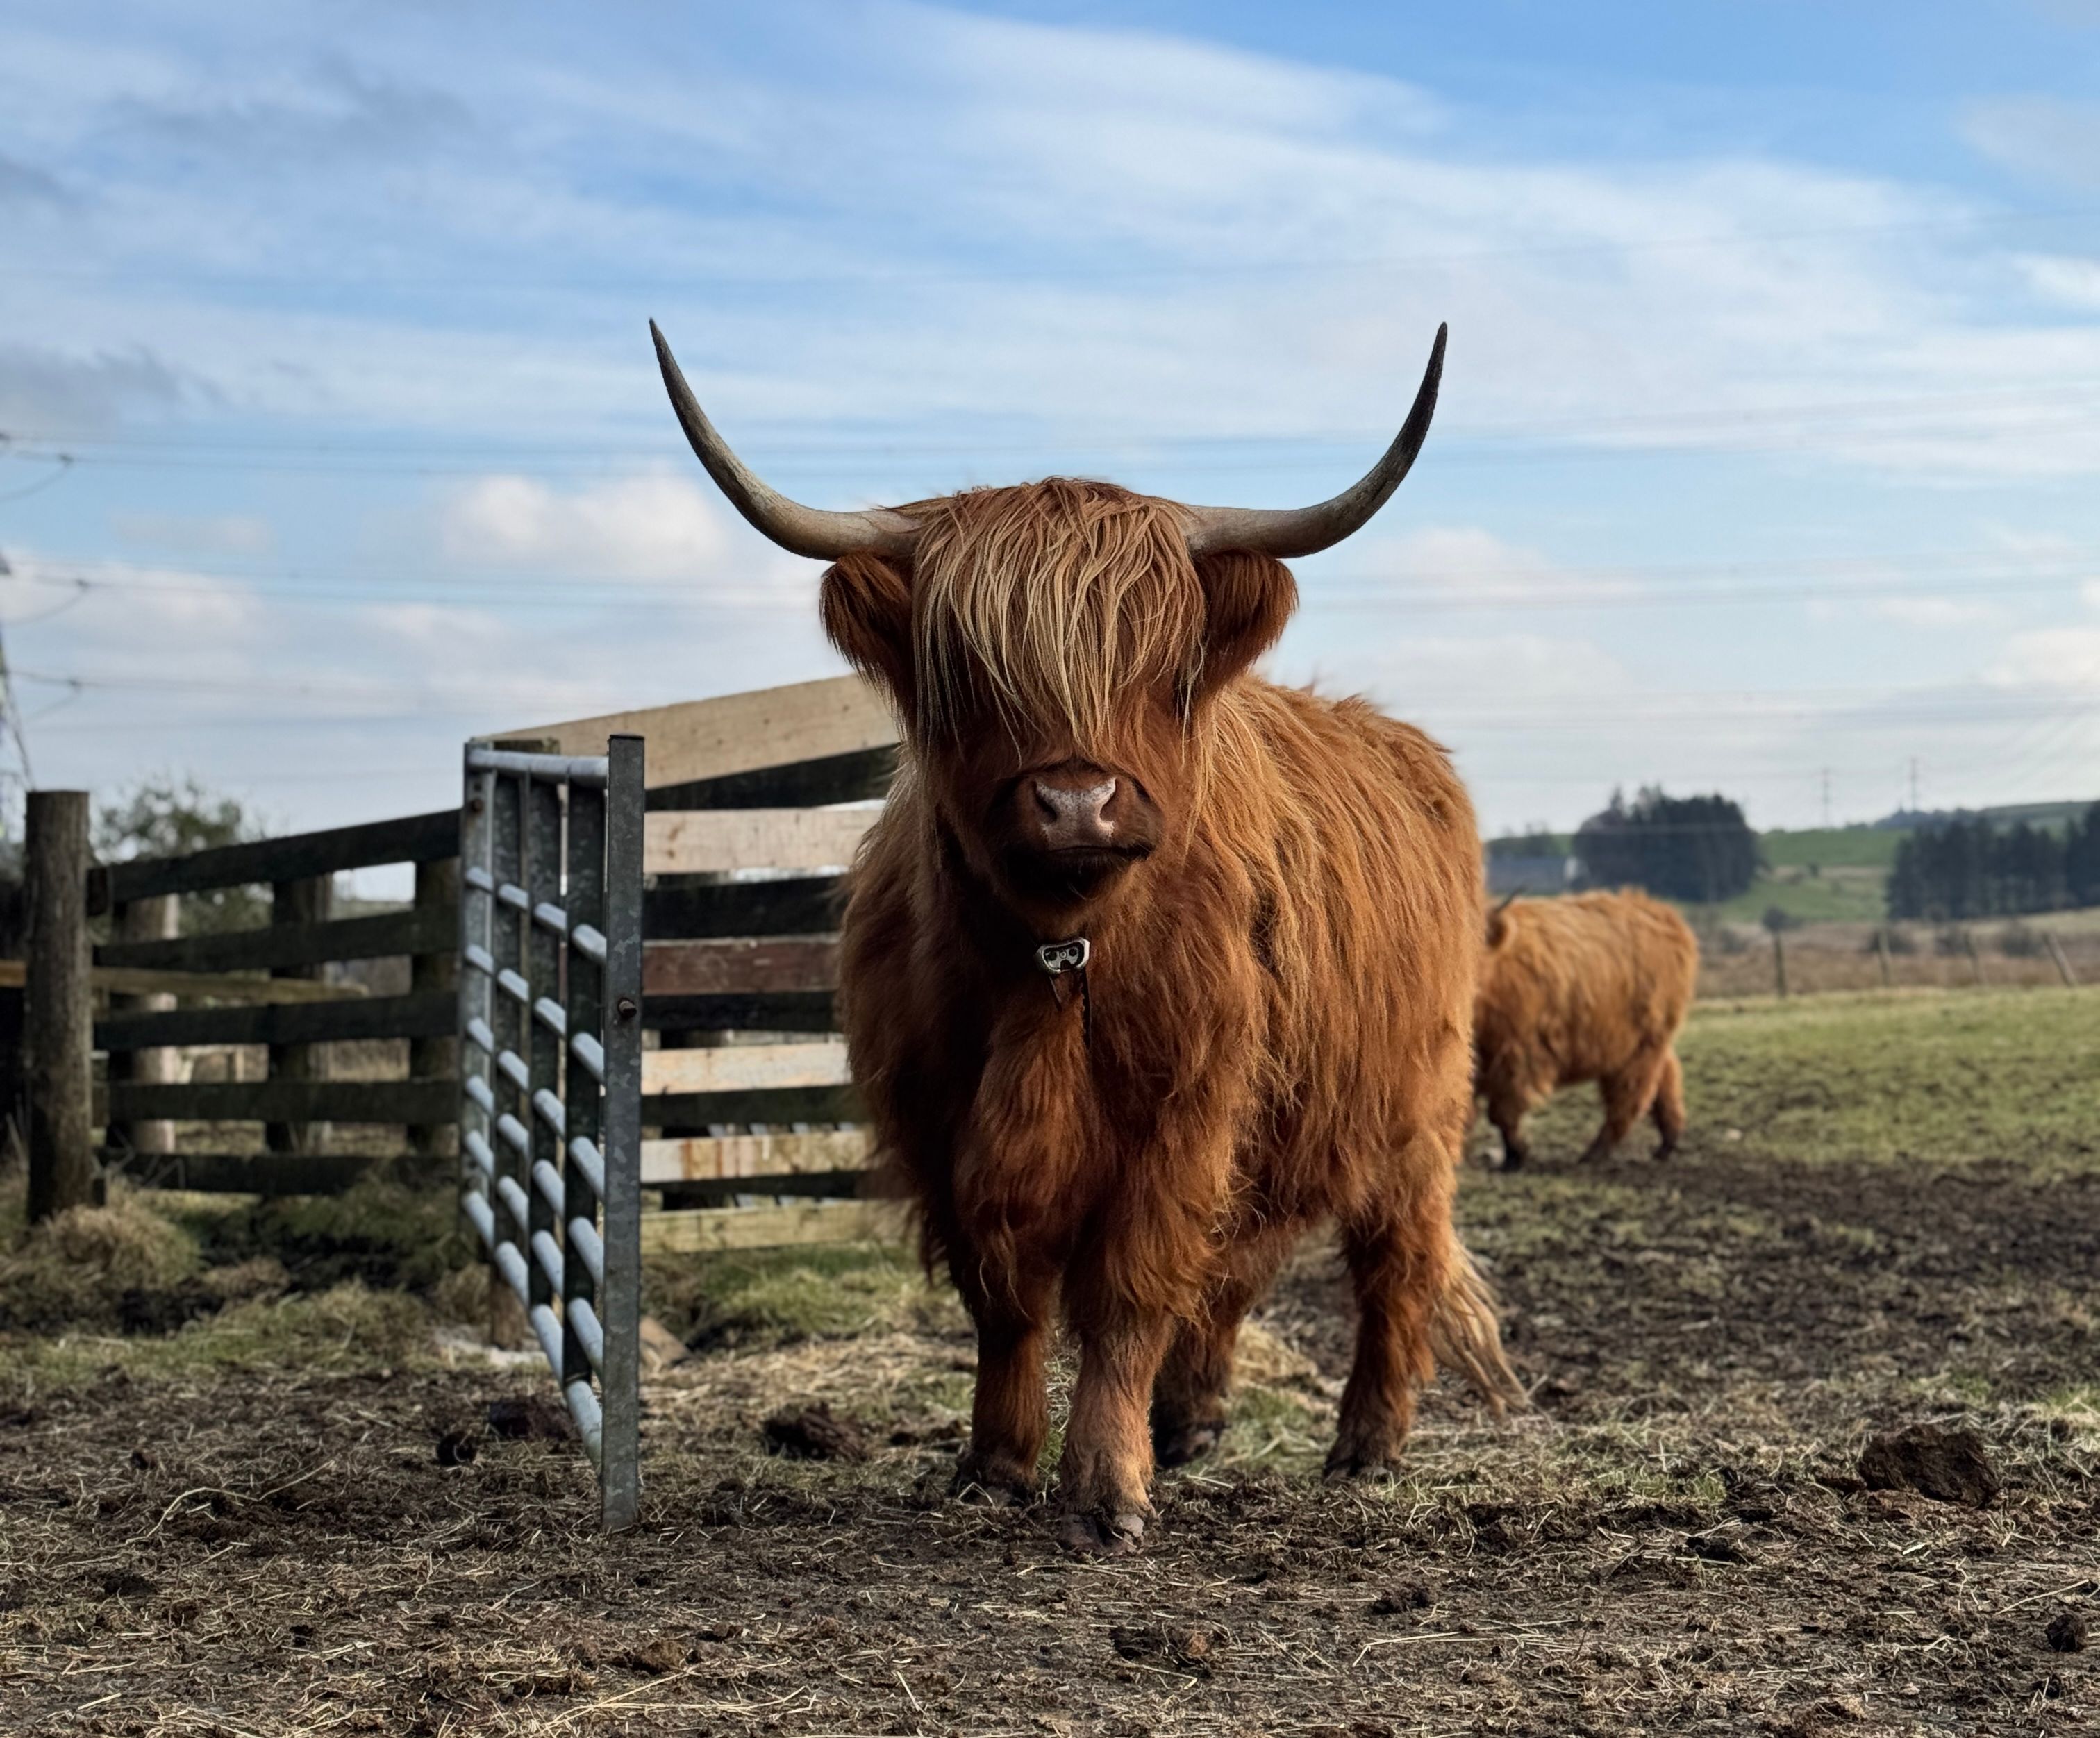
(805, 530)
(1306, 531)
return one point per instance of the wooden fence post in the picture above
(1778, 962)
(158, 919)
(1975, 959)
(437, 884)
(58, 1010)
(1882, 951)
(302, 901)
(2062, 965)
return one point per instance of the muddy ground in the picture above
(1678, 1539)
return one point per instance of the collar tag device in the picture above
(1057, 958)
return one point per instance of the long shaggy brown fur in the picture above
(1282, 996)
(1594, 986)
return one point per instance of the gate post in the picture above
(619, 1465)
(58, 1011)
(437, 886)
(302, 902)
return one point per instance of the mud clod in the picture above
(458, 1447)
(529, 1418)
(658, 1655)
(2066, 1633)
(1188, 1650)
(815, 1433)
(1948, 1466)
(1404, 1597)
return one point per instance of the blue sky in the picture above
(1768, 445)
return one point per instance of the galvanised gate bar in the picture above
(550, 1070)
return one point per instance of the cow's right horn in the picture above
(1291, 531)
(803, 530)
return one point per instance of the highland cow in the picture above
(1592, 986)
(1148, 964)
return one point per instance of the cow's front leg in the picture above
(1010, 1412)
(1104, 1478)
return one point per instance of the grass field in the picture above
(1887, 1210)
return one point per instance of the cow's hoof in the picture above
(1086, 1535)
(993, 1481)
(1369, 1466)
(1514, 1158)
(1177, 1444)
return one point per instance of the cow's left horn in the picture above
(1306, 531)
(805, 530)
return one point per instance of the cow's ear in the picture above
(866, 602)
(1499, 925)
(1247, 600)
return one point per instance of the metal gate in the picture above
(550, 1070)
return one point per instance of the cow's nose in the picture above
(1075, 818)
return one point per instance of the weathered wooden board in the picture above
(678, 910)
(734, 1068)
(735, 733)
(285, 1101)
(416, 839)
(853, 778)
(730, 1156)
(774, 1106)
(270, 1173)
(753, 966)
(124, 979)
(424, 1014)
(714, 840)
(712, 1229)
(789, 1011)
(421, 929)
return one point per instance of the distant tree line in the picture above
(1698, 849)
(1966, 867)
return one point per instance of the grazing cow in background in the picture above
(1588, 987)
(1148, 964)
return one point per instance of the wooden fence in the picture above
(294, 1011)
(756, 802)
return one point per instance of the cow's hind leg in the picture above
(1010, 1413)
(1399, 1257)
(1627, 1094)
(1668, 1108)
(1188, 1399)
(1506, 1112)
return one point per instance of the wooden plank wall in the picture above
(757, 803)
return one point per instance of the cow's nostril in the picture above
(1074, 817)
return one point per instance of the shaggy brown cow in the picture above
(1148, 964)
(1591, 986)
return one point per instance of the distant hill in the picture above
(2005, 814)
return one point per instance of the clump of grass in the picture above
(777, 1297)
(348, 1326)
(379, 1233)
(82, 1266)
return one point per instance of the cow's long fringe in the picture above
(1060, 598)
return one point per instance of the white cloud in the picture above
(655, 526)
(2049, 658)
(1931, 612)
(2043, 136)
(197, 534)
(2074, 282)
